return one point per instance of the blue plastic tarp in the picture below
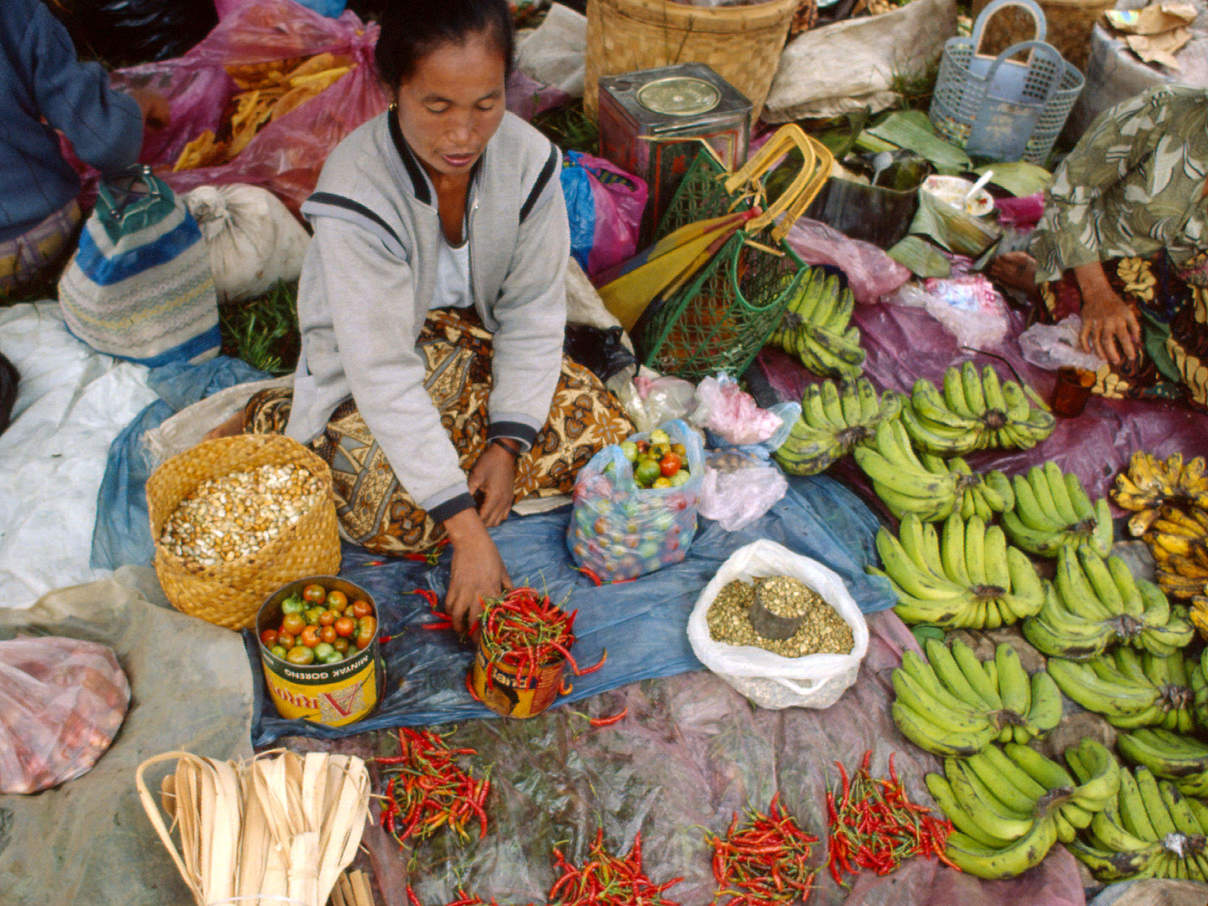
(641, 623)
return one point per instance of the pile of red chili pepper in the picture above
(428, 790)
(607, 880)
(764, 861)
(527, 631)
(874, 825)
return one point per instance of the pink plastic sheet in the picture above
(870, 272)
(689, 754)
(904, 344)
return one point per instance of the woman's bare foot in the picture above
(1016, 270)
(229, 428)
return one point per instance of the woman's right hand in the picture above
(1109, 325)
(477, 571)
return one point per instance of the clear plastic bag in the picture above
(739, 487)
(621, 531)
(1053, 346)
(968, 306)
(767, 679)
(651, 401)
(61, 703)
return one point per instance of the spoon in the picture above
(881, 162)
(977, 186)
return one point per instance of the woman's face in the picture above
(452, 104)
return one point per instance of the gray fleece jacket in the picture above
(370, 272)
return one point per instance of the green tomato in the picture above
(645, 471)
(334, 658)
(278, 651)
(324, 650)
(681, 477)
(300, 654)
(312, 616)
(630, 449)
(659, 436)
(293, 604)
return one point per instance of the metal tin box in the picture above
(651, 123)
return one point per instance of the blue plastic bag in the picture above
(621, 531)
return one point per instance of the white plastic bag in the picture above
(968, 306)
(739, 487)
(767, 679)
(253, 239)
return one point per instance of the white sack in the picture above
(555, 53)
(253, 239)
(849, 65)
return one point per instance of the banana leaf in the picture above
(920, 257)
(910, 129)
(1019, 177)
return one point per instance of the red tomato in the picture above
(268, 638)
(345, 626)
(670, 464)
(285, 639)
(327, 634)
(336, 599)
(366, 626)
(309, 636)
(327, 617)
(293, 623)
(314, 593)
(361, 608)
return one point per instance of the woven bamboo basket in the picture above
(229, 595)
(1070, 23)
(741, 43)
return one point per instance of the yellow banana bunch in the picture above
(1147, 830)
(1052, 510)
(816, 327)
(966, 577)
(974, 411)
(834, 418)
(1130, 689)
(1148, 484)
(1097, 603)
(938, 707)
(1010, 805)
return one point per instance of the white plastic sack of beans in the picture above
(253, 239)
(765, 678)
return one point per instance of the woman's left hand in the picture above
(494, 475)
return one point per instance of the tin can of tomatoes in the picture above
(336, 693)
(511, 690)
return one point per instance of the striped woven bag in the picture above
(139, 286)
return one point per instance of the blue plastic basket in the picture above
(999, 107)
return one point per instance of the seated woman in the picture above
(1124, 243)
(432, 308)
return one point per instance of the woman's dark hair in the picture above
(414, 28)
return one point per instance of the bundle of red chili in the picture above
(428, 790)
(764, 861)
(607, 880)
(526, 631)
(873, 824)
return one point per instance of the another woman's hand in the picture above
(477, 570)
(1109, 326)
(494, 475)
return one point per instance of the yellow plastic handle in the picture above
(815, 170)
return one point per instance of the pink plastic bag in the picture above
(605, 205)
(287, 154)
(61, 703)
(870, 272)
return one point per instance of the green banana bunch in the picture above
(1098, 603)
(951, 718)
(1171, 756)
(1129, 688)
(1000, 797)
(900, 479)
(977, 494)
(1198, 674)
(966, 577)
(1147, 830)
(974, 411)
(833, 420)
(1052, 510)
(816, 327)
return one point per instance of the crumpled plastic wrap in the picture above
(739, 487)
(730, 412)
(968, 306)
(690, 753)
(1053, 346)
(61, 703)
(869, 271)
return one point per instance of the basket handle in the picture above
(156, 818)
(815, 170)
(1028, 6)
(1031, 47)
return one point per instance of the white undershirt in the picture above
(452, 288)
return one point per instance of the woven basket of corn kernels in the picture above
(235, 518)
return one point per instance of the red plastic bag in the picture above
(61, 703)
(286, 155)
